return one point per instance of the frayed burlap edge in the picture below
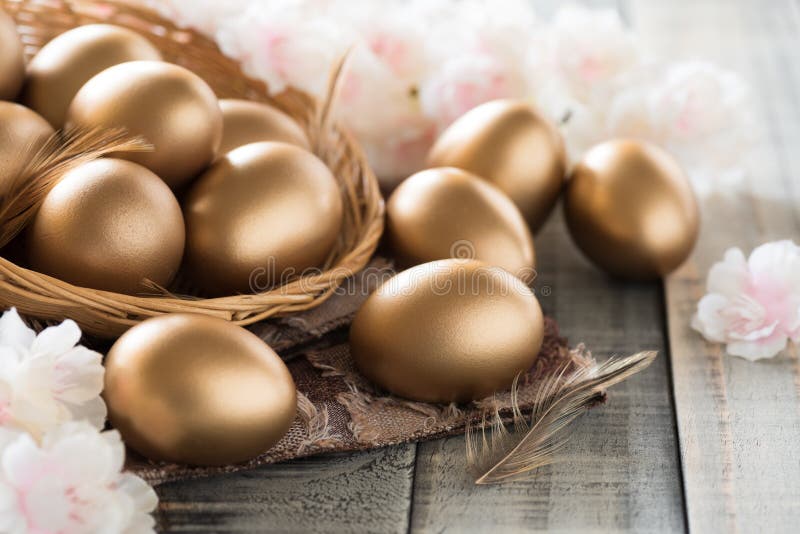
(339, 410)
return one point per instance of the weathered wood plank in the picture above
(620, 470)
(739, 422)
(362, 492)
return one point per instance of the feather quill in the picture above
(560, 400)
(61, 153)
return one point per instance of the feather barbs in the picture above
(64, 151)
(495, 454)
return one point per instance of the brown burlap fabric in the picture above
(338, 410)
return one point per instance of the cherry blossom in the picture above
(753, 304)
(202, 15)
(590, 47)
(466, 81)
(696, 110)
(70, 482)
(47, 379)
(285, 43)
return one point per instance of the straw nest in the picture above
(109, 314)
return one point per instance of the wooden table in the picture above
(700, 441)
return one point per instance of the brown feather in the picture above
(61, 153)
(558, 402)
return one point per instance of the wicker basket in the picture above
(109, 314)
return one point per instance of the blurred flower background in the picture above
(417, 65)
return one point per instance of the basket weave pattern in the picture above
(109, 314)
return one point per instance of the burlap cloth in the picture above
(338, 410)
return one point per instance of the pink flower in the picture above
(47, 379)
(700, 113)
(590, 47)
(71, 482)
(464, 82)
(753, 305)
(285, 43)
(391, 36)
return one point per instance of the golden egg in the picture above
(12, 60)
(245, 121)
(513, 146)
(448, 330)
(262, 214)
(630, 208)
(450, 213)
(108, 224)
(22, 134)
(197, 390)
(168, 105)
(70, 60)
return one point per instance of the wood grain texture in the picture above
(620, 470)
(619, 473)
(739, 422)
(361, 492)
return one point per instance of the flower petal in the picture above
(756, 350)
(709, 320)
(14, 332)
(94, 411)
(57, 339)
(729, 277)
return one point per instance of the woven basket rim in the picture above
(108, 314)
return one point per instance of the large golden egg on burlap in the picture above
(450, 213)
(630, 208)
(12, 60)
(261, 215)
(245, 122)
(169, 106)
(509, 143)
(22, 134)
(197, 390)
(108, 224)
(448, 330)
(65, 64)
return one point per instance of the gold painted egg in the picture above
(12, 60)
(70, 60)
(22, 134)
(171, 107)
(512, 145)
(108, 224)
(262, 214)
(245, 121)
(197, 390)
(450, 213)
(448, 330)
(630, 208)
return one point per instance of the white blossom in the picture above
(590, 48)
(285, 43)
(204, 16)
(700, 113)
(753, 305)
(70, 482)
(47, 379)
(466, 81)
